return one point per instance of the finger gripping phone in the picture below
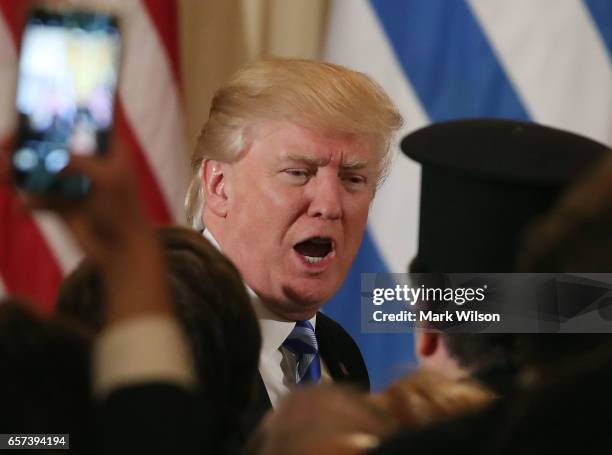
(68, 70)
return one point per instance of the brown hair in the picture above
(212, 306)
(327, 97)
(427, 397)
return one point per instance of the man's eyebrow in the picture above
(310, 160)
(352, 164)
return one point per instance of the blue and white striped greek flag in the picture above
(548, 61)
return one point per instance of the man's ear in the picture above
(426, 343)
(214, 180)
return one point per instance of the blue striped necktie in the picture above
(302, 343)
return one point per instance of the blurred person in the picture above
(211, 305)
(566, 390)
(285, 171)
(574, 237)
(142, 374)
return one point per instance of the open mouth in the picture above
(315, 249)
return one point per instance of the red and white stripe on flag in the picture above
(36, 250)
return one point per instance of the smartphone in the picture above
(68, 71)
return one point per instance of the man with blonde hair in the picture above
(285, 171)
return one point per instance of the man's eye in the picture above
(296, 176)
(299, 173)
(355, 180)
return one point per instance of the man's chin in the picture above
(302, 303)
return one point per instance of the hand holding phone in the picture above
(68, 71)
(112, 222)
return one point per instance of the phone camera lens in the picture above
(25, 159)
(56, 160)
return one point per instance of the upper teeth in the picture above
(313, 259)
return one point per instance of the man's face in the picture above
(298, 203)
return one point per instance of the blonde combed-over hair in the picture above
(319, 95)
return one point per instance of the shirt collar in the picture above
(274, 329)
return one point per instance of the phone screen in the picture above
(68, 71)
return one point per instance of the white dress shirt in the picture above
(276, 365)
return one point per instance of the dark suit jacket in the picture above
(149, 418)
(341, 356)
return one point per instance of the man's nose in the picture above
(325, 197)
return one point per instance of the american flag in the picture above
(36, 250)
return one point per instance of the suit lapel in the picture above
(329, 353)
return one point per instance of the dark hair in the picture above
(212, 306)
(493, 358)
(44, 375)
